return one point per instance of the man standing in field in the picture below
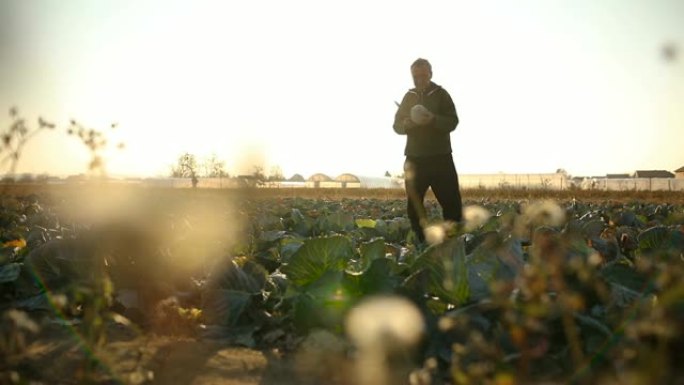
(427, 116)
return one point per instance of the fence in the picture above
(556, 181)
(467, 181)
(560, 181)
(635, 184)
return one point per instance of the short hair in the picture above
(422, 62)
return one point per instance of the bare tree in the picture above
(214, 167)
(276, 174)
(258, 175)
(186, 167)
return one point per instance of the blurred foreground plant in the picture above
(20, 132)
(15, 138)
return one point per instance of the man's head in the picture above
(421, 70)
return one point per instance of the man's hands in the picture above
(409, 125)
(420, 115)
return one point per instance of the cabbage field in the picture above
(96, 283)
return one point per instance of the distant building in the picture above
(296, 178)
(653, 174)
(679, 173)
(359, 181)
(617, 176)
(349, 181)
(321, 180)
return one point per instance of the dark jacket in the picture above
(432, 139)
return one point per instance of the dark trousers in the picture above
(439, 173)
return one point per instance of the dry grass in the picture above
(674, 197)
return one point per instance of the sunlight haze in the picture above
(310, 86)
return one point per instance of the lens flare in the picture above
(385, 321)
(475, 216)
(385, 330)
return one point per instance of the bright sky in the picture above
(310, 85)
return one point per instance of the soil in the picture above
(57, 356)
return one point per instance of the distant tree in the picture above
(186, 167)
(214, 167)
(387, 174)
(42, 178)
(564, 173)
(259, 175)
(26, 178)
(276, 174)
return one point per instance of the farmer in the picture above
(427, 117)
